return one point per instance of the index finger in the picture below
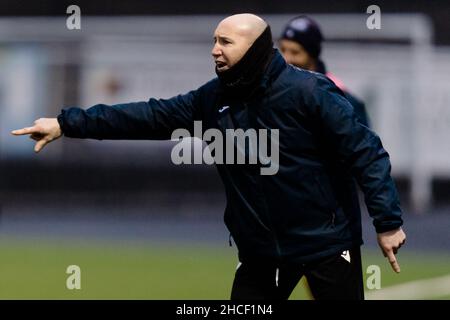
(393, 261)
(23, 131)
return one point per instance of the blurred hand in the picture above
(389, 243)
(44, 131)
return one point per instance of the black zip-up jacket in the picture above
(298, 214)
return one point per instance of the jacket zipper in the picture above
(271, 229)
(333, 217)
(253, 117)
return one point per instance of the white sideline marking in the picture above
(413, 290)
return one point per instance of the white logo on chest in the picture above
(223, 109)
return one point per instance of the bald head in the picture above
(246, 25)
(233, 37)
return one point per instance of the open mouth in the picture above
(220, 64)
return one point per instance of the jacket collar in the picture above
(276, 66)
(273, 70)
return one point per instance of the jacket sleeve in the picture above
(154, 119)
(358, 148)
(360, 109)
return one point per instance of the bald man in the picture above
(289, 223)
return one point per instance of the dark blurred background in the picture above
(134, 50)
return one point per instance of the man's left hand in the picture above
(389, 243)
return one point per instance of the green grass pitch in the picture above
(36, 269)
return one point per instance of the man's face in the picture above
(295, 54)
(230, 45)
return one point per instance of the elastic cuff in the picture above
(60, 119)
(388, 227)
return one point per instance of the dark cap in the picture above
(306, 32)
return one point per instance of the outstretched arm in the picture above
(155, 119)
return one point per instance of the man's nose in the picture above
(216, 51)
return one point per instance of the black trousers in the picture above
(338, 277)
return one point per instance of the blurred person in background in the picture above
(301, 45)
(288, 224)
